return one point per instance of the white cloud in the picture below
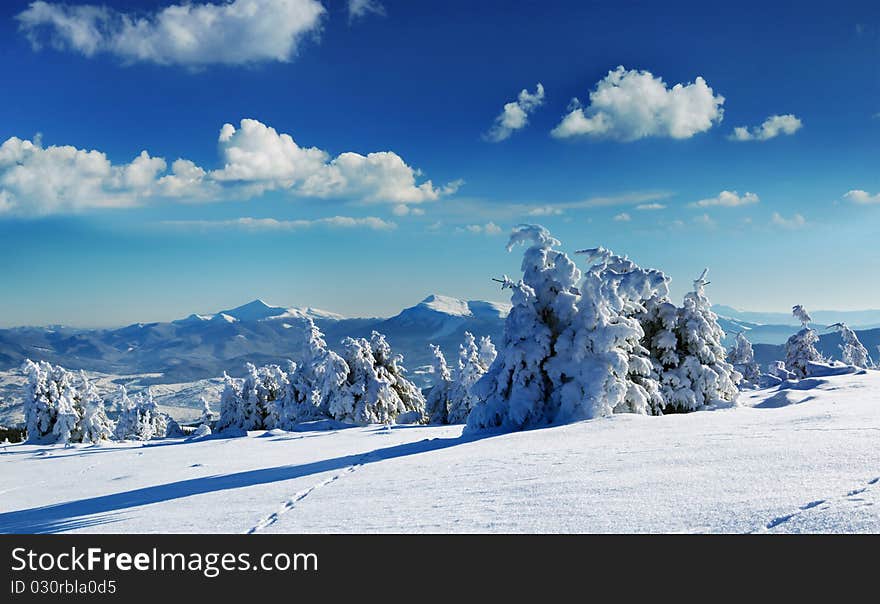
(490, 228)
(258, 155)
(650, 206)
(728, 199)
(515, 115)
(546, 211)
(862, 197)
(795, 222)
(772, 127)
(271, 224)
(622, 217)
(191, 34)
(256, 158)
(45, 180)
(629, 104)
(405, 210)
(361, 8)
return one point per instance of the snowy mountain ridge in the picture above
(258, 310)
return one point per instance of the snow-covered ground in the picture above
(799, 459)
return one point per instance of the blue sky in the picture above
(426, 81)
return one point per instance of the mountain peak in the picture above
(256, 310)
(446, 305)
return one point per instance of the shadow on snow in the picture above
(105, 509)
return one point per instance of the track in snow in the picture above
(781, 520)
(291, 503)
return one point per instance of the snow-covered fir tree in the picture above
(610, 343)
(473, 362)
(516, 390)
(851, 349)
(95, 426)
(703, 375)
(52, 404)
(140, 418)
(376, 389)
(315, 379)
(600, 365)
(437, 401)
(800, 349)
(800, 313)
(67, 419)
(255, 403)
(43, 391)
(207, 415)
(742, 357)
(126, 416)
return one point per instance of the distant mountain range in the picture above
(205, 345)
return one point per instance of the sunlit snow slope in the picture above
(804, 458)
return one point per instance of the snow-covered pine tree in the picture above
(488, 352)
(314, 381)
(126, 416)
(703, 376)
(437, 402)
(255, 403)
(800, 349)
(50, 397)
(140, 419)
(95, 426)
(600, 366)
(473, 362)
(742, 357)
(516, 390)
(67, 419)
(376, 389)
(40, 401)
(851, 349)
(207, 415)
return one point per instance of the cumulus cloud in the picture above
(727, 199)
(191, 34)
(258, 155)
(795, 222)
(650, 206)
(622, 217)
(772, 127)
(362, 8)
(44, 180)
(515, 115)
(255, 158)
(628, 105)
(272, 224)
(862, 197)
